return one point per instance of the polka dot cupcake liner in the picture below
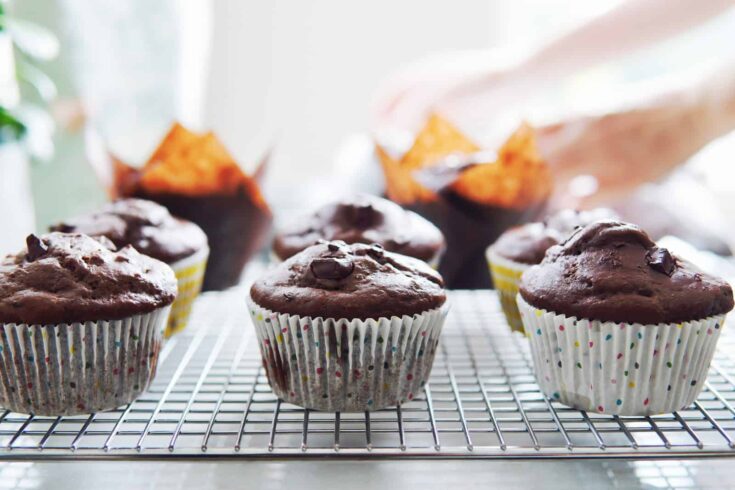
(189, 276)
(620, 368)
(342, 365)
(78, 368)
(506, 275)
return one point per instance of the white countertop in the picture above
(305, 475)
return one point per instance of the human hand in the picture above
(602, 157)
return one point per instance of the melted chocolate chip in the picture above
(332, 268)
(445, 172)
(376, 251)
(660, 260)
(335, 245)
(36, 248)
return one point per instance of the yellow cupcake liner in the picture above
(506, 275)
(190, 275)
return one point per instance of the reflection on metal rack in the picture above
(211, 399)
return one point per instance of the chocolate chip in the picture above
(336, 245)
(36, 248)
(376, 251)
(332, 268)
(660, 260)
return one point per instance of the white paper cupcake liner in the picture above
(189, 276)
(78, 368)
(506, 276)
(343, 365)
(620, 368)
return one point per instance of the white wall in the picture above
(305, 71)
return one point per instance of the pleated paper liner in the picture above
(620, 368)
(347, 365)
(78, 368)
(506, 275)
(189, 275)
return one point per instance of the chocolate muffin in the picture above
(151, 230)
(197, 179)
(522, 246)
(619, 325)
(363, 219)
(236, 226)
(145, 225)
(527, 244)
(612, 271)
(348, 327)
(81, 324)
(472, 194)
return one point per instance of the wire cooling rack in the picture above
(211, 399)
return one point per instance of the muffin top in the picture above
(528, 243)
(70, 277)
(337, 280)
(612, 271)
(145, 225)
(363, 219)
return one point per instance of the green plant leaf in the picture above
(11, 129)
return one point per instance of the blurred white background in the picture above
(302, 74)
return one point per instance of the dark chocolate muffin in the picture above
(337, 280)
(528, 243)
(235, 226)
(612, 271)
(363, 219)
(66, 278)
(145, 225)
(348, 327)
(618, 325)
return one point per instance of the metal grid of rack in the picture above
(211, 399)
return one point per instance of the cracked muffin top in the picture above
(528, 243)
(613, 271)
(70, 277)
(358, 281)
(363, 219)
(145, 225)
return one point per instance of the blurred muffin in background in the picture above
(523, 246)
(151, 230)
(196, 178)
(470, 194)
(363, 219)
